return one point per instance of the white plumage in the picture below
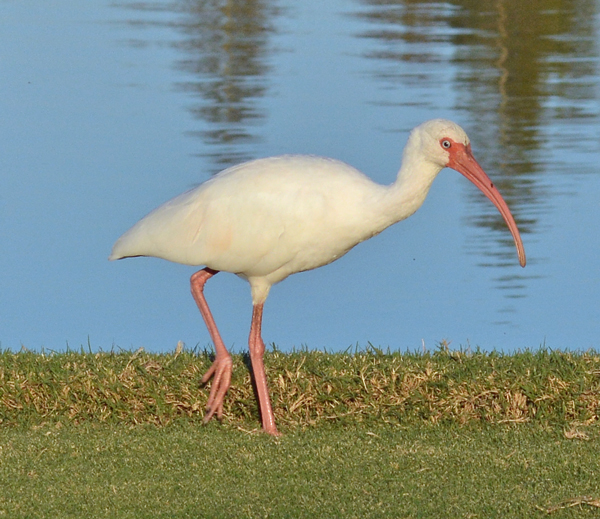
(269, 218)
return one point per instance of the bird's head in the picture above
(446, 144)
(440, 141)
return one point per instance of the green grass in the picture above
(368, 434)
(186, 470)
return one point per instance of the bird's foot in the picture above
(220, 372)
(272, 431)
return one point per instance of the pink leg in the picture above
(257, 350)
(222, 366)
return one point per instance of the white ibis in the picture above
(266, 219)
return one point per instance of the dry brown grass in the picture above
(307, 388)
(570, 503)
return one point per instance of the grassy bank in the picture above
(308, 388)
(446, 434)
(189, 471)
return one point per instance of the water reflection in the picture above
(226, 48)
(509, 59)
(519, 45)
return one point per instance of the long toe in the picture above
(220, 371)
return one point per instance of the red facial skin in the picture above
(461, 159)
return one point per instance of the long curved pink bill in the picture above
(462, 160)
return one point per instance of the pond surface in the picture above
(109, 109)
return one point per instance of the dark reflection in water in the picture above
(226, 48)
(517, 67)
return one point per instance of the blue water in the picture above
(109, 109)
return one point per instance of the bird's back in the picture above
(280, 214)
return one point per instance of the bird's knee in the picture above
(199, 279)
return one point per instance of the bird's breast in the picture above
(270, 217)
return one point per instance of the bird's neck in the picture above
(410, 189)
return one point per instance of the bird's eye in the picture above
(446, 143)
